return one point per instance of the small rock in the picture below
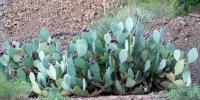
(188, 35)
(197, 20)
(183, 23)
(186, 39)
(80, 1)
(7, 30)
(3, 2)
(95, 13)
(1, 14)
(1, 18)
(165, 22)
(15, 23)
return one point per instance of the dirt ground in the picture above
(127, 97)
(21, 20)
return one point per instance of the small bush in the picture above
(14, 89)
(166, 8)
(187, 93)
(182, 7)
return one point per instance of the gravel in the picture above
(22, 19)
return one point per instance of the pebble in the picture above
(3, 2)
(183, 23)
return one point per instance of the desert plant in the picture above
(186, 93)
(125, 60)
(183, 7)
(102, 24)
(13, 90)
(53, 94)
(20, 59)
(159, 8)
(165, 8)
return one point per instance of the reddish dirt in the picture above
(22, 19)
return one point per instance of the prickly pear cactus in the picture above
(123, 61)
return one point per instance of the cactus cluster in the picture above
(125, 60)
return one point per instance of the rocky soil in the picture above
(22, 19)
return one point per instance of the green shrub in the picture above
(53, 94)
(166, 8)
(187, 93)
(125, 60)
(182, 7)
(14, 89)
(159, 8)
